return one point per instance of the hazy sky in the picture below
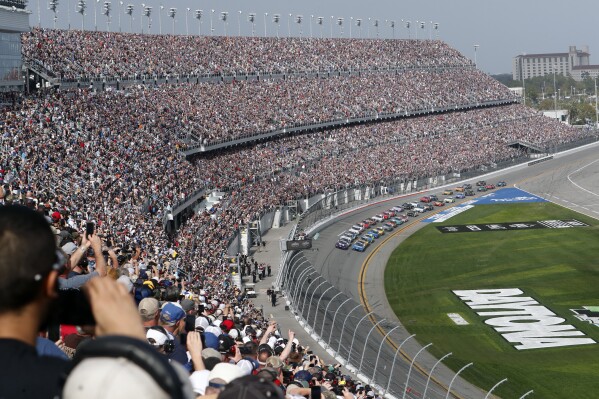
(502, 28)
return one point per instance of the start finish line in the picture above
(521, 320)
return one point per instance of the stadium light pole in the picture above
(289, 25)
(223, 17)
(52, 6)
(187, 20)
(265, 17)
(596, 106)
(81, 10)
(332, 23)
(359, 25)
(130, 13)
(311, 18)
(320, 21)
(141, 25)
(211, 26)
(172, 12)
(276, 19)
(476, 46)
(407, 25)
(436, 27)
(376, 26)
(368, 28)
(422, 26)
(106, 12)
(121, 11)
(430, 30)
(69, 14)
(148, 13)
(252, 20)
(39, 15)
(198, 16)
(351, 22)
(340, 23)
(239, 23)
(96, 15)
(160, 19)
(392, 24)
(298, 19)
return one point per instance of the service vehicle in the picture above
(359, 246)
(438, 203)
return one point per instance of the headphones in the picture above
(139, 353)
(169, 345)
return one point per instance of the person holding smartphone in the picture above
(94, 242)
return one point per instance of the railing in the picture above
(303, 127)
(20, 4)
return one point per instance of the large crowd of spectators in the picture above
(114, 158)
(74, 54)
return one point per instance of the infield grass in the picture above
(557, 267)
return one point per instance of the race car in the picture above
(460, 189)
(469, 192)
(364, 224)
(397, 221)
(391, 222)
(387, 226)
(490, 186)
(370, 221)
(481, 183)
(501, 183)
(390, 212)
(411, 213)
(360, 246)
(425, 199)
(459, 196)
(448, 192)
(407, 206)
(438, 203)
(449, 200)
(481, 188)
(467, 186)
(342, 244)
(428, 207)
(433, 197)
(374, 232)
(367, 237)
(380, 231)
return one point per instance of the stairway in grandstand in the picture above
(533, 148)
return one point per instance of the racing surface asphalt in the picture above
(569, 180)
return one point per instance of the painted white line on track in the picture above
(579, 186)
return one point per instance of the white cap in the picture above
(158, 337)
(202, 322)
(226, 372)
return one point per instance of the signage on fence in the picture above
(540, 224)
(521, 320)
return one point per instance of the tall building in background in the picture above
(14, 19)
(574, 63)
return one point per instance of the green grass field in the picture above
(557, 267)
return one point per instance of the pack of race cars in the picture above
(362, 234)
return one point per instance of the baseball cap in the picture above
(148, 307)
(156, 337)
(265, 348)
(227, 325)
(225, 343)
(251, 387)
(224, 373)
(275, 362)
(201, 323)
(187, 305)
(171, 314)
(69, 248)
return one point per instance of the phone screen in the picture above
(89, 228)
(315, 392)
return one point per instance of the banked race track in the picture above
(569, 180)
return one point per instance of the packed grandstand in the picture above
(115, 156)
